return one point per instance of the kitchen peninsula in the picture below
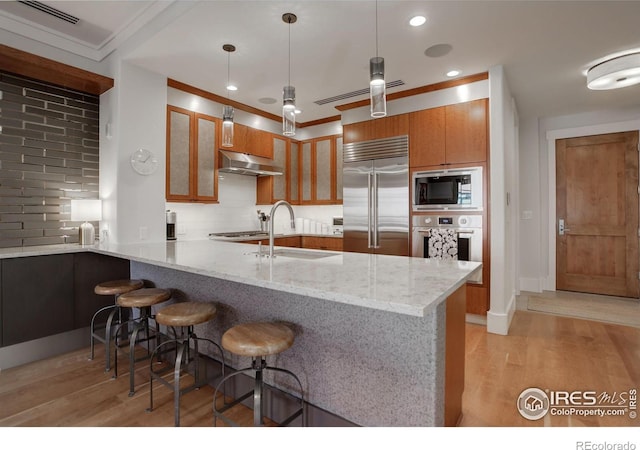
(371, 342)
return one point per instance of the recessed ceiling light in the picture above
(267, 100)
(453, 73)
(231, 87)
(417, 21)
(297, 111)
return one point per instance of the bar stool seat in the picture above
(115, 288)
(142, 300)
(184, 315)
(257, 340)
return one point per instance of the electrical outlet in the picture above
(144, 233)
(527, 215)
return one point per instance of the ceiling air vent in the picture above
(51, 11)
(324, 101)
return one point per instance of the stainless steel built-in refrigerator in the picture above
(376, 196)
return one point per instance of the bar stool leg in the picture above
(93, 327)
(258, 366)
(176, 381)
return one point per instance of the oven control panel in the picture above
(460, 221)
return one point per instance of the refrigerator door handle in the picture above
(376, 243)
(369, 208)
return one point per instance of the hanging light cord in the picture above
(228, 73)
(376, 28)
(289, 20)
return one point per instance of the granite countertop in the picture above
(409, 286)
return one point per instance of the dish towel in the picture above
(443, 243)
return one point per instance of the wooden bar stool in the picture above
(257, 340)
(184, 316)
(141, 300)
(115, 288)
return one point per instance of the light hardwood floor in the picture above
(544, 351)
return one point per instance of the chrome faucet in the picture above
(272, 222)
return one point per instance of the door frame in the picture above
(549, 283)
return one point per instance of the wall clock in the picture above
(144, 161)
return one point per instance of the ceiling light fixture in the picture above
(377, 86)
(416, 21)
(289, 92)
(453, 73)
(227, 111)
(615, 73)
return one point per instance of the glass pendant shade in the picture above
(289, 111)
(227, 126)
(377, 87)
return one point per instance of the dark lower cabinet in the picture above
(90, 269)
(37, 297)
(46, 295)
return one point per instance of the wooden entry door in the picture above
(597, 198)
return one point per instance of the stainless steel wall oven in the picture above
(451, 236)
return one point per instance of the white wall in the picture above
(503, 174)
(134, 112)
(537, 243)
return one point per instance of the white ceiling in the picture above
(544, 46)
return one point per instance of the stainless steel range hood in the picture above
(245, 164)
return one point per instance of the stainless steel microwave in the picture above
(448, 189)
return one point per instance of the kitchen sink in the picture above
(294, 253)
(240, 234)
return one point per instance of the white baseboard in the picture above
(531, 284)
(499, 323)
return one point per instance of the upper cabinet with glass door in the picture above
(192, 143)
(321, 171)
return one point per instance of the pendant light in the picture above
(227, 111)
(289, 92)
(377, 86)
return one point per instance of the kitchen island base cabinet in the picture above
(47, 301)
(37, 297)
(368, 366)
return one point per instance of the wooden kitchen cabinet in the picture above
(251, 140)
(466, 132)
(320, 171)
(369, 130)
(322, 242)
(452, 134)
(270, 189)
(305, 173)
(427, 137)
(323, 170)
(192, 143)
(293, 173)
